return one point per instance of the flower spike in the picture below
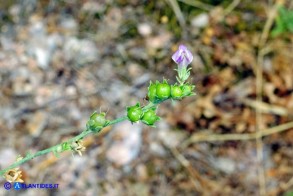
(158, 92)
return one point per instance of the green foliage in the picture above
(288, 193)
(284, 22)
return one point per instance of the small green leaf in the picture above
(65, 146)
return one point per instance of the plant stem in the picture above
(69, 141)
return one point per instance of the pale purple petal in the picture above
(182, 47)
(177, 57)
(182, 56)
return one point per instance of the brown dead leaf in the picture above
(37, 123)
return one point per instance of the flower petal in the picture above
(183, 57)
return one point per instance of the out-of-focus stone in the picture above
(126, 144)
(80, 51)
(144, 29)
(168, 137)
(37, 123)
(200, 21)
(158, 41)
(7, 157)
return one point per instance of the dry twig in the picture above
(175, 6)
(197, 181)
(266, 108)
(204, 137)
(288, 185)
(259, 81)
(231, 7)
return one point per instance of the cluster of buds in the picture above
(158, 92)
(135, 113)
(161, 91)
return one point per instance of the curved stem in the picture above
(76, 138)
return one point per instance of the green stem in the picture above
(76, 138)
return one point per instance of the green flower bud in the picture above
(163, 90)
(61, 148)
(65, 146)
(176, 92)
(152, 92)
(150, 117)
(187, 90)
(134, 113)
(97, 121)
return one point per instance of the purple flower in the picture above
(182, 57)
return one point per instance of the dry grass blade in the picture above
(266, 108)
(231, 7)
(259, 88)
(268, 25)
(194, 175)
(288, 185)
(204, 137)
(198, 4)
(175, 6)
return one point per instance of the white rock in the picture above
(42, 56)
(42, 46)
(7, 157)
(157, 149)
(226, 165)
(144, 29)
(200, 21)
(37, 29)
(69, 24)
(170, 138)
(93, 6)
(80, 51)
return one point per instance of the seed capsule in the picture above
(163, 90)
(97, 121)
(187, 90)
(176, 92)
(152, 92)
(150, 117)
(134, 113)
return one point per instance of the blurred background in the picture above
(62, 60)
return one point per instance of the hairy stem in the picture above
(76, 138)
